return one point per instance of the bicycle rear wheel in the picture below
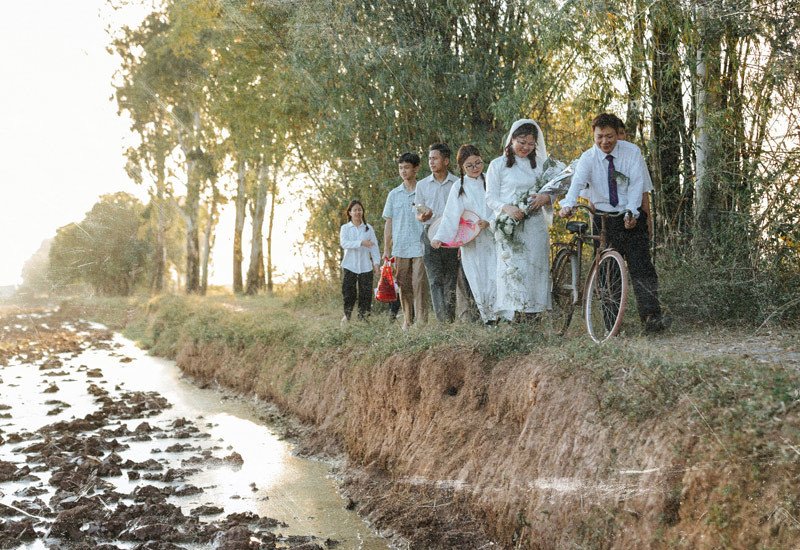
(606, 296)
(564, 290)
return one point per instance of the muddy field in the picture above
(73, 473)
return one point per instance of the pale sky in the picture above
(61, 140)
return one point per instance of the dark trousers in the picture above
(634, 245)
(466, 308)
(394, 309)
(441, 265)
(357, 286)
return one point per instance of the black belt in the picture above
(614, 213)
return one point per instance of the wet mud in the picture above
(75, 483)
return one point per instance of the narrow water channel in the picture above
(218, 445)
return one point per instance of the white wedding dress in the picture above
(523, 269)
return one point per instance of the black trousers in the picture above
(441, 266)
(634, 245)
(357, 286)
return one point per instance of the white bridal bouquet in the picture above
(554, 179)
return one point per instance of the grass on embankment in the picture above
(745, 412)
(636, 376)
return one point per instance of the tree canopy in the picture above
(108, 250)
(331, 91)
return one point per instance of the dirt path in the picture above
(764, 346)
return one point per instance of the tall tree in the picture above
(256, 268)
(136, 81)
(668, 121)
(241, 210)
(211, 217)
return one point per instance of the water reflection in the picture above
(270, 481)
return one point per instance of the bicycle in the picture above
(604, 296)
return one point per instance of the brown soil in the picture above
(452, 451)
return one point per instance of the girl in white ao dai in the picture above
(523, 270)
(477, 256)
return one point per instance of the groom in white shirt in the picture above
(614, 178)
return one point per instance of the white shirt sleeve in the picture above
(373, 250)
(421, 197)
(580, 178)
(448, 227)
(636, 184)
(493, 180)
(346, 239)
(387, 208)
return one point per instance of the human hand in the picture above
(425, 216)
(630, 221)
(514, 212)
(566, 211)
(435, 243)
(539, 200)
(483, 224)
(367, 243)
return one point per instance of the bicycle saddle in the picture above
(577, 227)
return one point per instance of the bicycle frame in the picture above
(576, 244)
(579, 289)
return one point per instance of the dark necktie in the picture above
(613, 199)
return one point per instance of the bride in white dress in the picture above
(477, 256)
(523, 266)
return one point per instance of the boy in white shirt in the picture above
(401, 239)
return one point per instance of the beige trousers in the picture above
(414, 291)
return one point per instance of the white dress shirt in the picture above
(357, 257)
(591, 174)
(647, 185)
(433, 194)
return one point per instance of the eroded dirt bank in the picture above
(453, 451)
(682, 442)
(116, 467)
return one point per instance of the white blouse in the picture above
(357, 257)
(474, 198)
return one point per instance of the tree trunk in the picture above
(274, 195)
(160, 252)
(191, 208)
(208, 239)
(633, 114)
(262, 278)
(238, 228)
(706, 149)
(256, 268)
(668, 119)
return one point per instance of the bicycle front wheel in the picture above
(564, 290)
(606, 296)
